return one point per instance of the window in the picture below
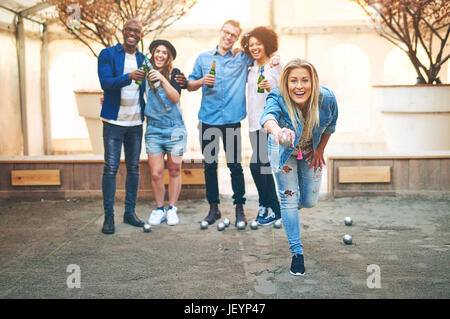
(346, 71)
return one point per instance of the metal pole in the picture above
(272, 14)
(20, 43)
(46, 120)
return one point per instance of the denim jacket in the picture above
(275, 109)
(112, 80)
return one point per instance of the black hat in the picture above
(166, 43)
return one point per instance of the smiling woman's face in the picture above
(299, 85)
(160, 56)
(256, 48)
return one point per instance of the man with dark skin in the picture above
(122, 116)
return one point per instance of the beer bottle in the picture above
(260, 78)
(144, 67)
(212, 72)
(156, 83)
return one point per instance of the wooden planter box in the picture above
(388, 174)
(60, 177)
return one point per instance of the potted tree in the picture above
(415, 117)
(99, 24)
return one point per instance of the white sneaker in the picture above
(172, 218)
(157, 217)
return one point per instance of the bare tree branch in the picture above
(101, 21)
(413, 23)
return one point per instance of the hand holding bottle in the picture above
(155, 75)
(137, 75)
(264, 84)
(209, 80)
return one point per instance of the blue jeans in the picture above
(113, 138)
(298, 188)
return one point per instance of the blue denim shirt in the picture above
(275, 109)
(225, 102)
(110, 73)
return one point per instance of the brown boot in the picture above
(213, 214)
(240, 216)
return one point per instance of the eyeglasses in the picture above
(130, 30)
(229, 34)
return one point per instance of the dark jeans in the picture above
(262, 172)
(113, 138)
(209, 140)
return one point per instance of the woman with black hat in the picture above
(166, 132)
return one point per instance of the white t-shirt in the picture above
(256, 101)
(130, 109)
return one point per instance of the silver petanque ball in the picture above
(226, 221)
(203, 224)
(240, 225)
(285, 141)
(254, 225)
(347, 239)
(220, 226)
(147, 228)
(348, 221)
(277, 223)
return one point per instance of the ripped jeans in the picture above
(298, 188)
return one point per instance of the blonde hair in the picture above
(233, 23)
(312, 105)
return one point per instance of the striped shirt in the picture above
(130, 110)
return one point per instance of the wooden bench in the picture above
(58, 177)
(388, 174)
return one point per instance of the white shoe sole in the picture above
(156, 224)
(266, 224)
(297, 273)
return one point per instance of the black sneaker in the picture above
(297, 265)
(262, 213)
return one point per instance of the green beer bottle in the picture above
(212, 72)
(145, 67)
(261, 77)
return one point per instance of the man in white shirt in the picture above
(122, 115)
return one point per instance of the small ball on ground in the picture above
(347, 239)
(277, 223)
(147, 228)
(348, 221)
(240, 225)
(254, 225)
(203, 224)
(220, 226)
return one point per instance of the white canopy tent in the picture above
(19, 17)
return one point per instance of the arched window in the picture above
(345, 69)
(398, 69)
(70, 71)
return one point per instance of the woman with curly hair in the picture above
(260, 44)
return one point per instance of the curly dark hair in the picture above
(268, 37)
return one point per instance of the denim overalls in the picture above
(166, 132)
